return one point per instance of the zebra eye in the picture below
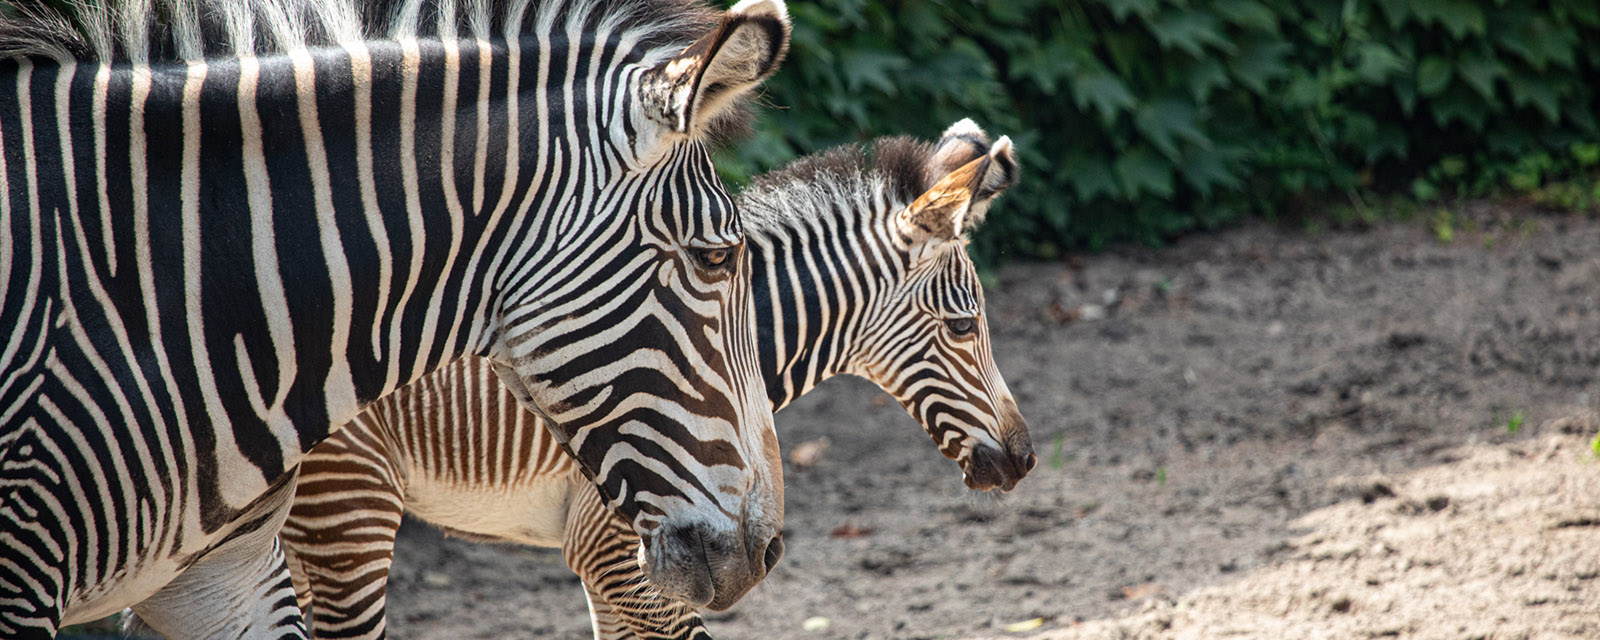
(716, 258)
(961, 326)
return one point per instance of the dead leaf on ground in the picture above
(1061, 314)
(1145, 590)
(807, 454)
(881, 400)
(851, 531)
(1025, 625)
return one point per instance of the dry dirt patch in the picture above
(1215, 420)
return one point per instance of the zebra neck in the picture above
(297, 234)
(814, 278)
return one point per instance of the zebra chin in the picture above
(705, 568)
(986, 467)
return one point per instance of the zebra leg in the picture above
(340, 534)
(239, 589)
(604, 551)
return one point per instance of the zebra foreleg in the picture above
(340, 536)
(240, 589)
(604, 551)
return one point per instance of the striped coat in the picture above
(227, 227)
(858, 268)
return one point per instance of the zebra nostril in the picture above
(1030, 462)
(774, 552)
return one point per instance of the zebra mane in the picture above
(147, 31)
(842, 180)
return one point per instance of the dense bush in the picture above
(1139, 119)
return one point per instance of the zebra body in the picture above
(842, 285)
(222, 237)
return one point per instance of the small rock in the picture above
(816, 624)
(1135, 592)
(807, 454)
(435, 579)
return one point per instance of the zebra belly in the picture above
(531, 512)
(256, 526)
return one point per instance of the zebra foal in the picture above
(228, 226)
(858, 267)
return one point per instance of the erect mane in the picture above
(823, 181)
(149, 31)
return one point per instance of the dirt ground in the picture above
(1260, 433)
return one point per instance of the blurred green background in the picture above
(1138, 120)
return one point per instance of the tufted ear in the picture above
(960, 144)
(690, 91)
(960, 197)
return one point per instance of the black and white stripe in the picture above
(843, 274)
(226, 231)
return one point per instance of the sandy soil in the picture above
(1268, 434)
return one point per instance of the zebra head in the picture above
(930, 348)
(657, 394)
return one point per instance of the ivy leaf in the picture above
(1433, 75)
(1582, 116)
(1121, 8)
(1480, 72)
(1533, 39)
(1189, 31)
(1376, 62)
(1397, 11)
(1539, 92)
(1390, 140)
(1105, 92)
(1247, 13)
(1458, 104)
(1260, 62)
(1164, 122)
(1204, 76)
(1460, 17)
(1045, 66)
(875, 68)
(921, 20)
(1304, 90)
(1143, 171)
(1586, 13)
(1406, 95)
(1205, 168)
(1091, 177)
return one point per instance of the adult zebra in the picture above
(858, 268)
(227, 233)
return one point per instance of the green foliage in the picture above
(1140, 119)
(1514, 423)
(1058, 456)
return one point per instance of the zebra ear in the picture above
(958, 201)
(960, 144)
(689, 92)
(940, 214)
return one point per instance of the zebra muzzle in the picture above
(707, 568)
(989, 468)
